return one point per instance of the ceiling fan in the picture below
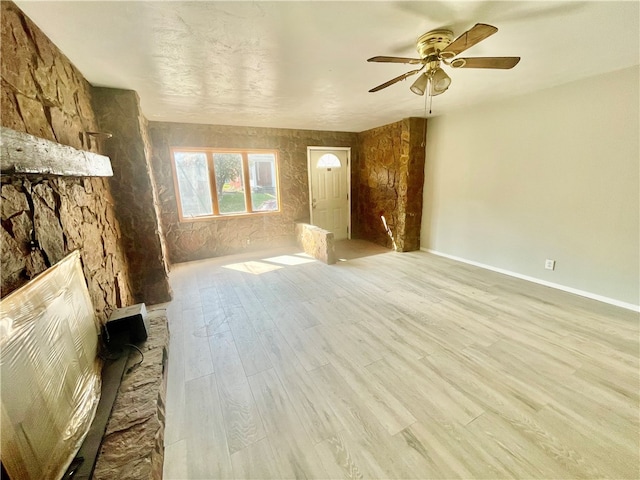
(437, 46)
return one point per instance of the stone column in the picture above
(388, 182)
(411, 184)
(136, 200)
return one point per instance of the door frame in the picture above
(329, 149)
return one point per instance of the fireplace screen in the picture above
(50, 371)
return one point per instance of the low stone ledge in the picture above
(133, 444)
(316, 242)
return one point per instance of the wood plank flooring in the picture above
(394, 365)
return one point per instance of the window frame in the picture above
(246, 181)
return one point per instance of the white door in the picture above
(329, 185)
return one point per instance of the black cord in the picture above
(136, 365)
(108, 354)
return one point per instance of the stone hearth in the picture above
(133, 444)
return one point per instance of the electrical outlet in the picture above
(550, 264)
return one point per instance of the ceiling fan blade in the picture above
(394, 80)
(413, 61)
(468, 39)
(485, 62)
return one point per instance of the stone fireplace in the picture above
(46, 215)
(65, 405)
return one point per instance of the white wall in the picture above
(553, 174)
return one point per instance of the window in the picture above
(212, 182)
(328, 160)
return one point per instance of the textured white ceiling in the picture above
(303, 64)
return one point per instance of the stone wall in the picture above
(44, 218)
(204, 238)
(118, 112)
(388, 177)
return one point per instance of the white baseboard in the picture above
(582, 293)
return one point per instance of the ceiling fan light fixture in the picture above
(440, 82)
(436, 47)
(420, 85)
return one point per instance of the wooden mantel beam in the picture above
(24, 153)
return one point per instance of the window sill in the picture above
(230, 216)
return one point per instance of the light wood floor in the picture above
(405, 366)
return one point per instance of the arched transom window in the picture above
(328, 160)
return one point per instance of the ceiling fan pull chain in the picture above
(426, 95)
(430, 97)
(424, 132)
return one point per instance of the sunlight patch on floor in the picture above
(258, 267)
(290, 260)
(253, 267)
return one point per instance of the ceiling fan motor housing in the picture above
(433, 42)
